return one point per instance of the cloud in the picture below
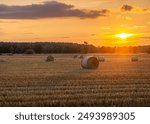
(133, 26)
(123, 25)
(146, 38)
(104, 11)
(93, 34)
(139, 26)
(127, 18)
(28, 33)
(147, 10)
(126, 7)
(134, 9)
(49, 9)
(8, 21)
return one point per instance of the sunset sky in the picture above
(99, 22)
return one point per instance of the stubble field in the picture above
(27, 80)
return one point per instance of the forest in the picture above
(61, 47)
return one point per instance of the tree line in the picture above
(57, 47)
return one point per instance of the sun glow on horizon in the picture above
(123, 35)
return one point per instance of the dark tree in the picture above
(57, 47)
(29, 51)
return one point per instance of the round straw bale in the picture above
(89, 62)
(10, 54)
(75, 56)
(101, 58)
(49, 58)
(1, 60)
(134, 58)
(81, 57)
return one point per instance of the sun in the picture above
(123, 35)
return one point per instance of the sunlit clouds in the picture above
(99, 22)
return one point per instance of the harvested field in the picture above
(27, 80)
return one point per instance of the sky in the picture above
(98, 22)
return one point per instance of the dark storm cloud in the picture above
(47, 10)
(126, 8)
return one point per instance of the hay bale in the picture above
(49, 58)
(134, 58)
(89, 62)
(81, 57)
(101, 59)
(10, 54)
(1, 60)
(75, 56)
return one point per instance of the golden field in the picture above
(28, 80)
